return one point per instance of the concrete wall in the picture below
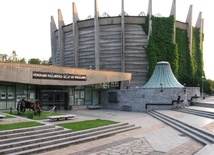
(23, 73)
(181, 25)
(110, 43)
(118, 51)
(136, 99)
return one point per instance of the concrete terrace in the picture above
(154, 137)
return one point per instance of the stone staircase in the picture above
(202, 136)
(202, 104)
(49, 137)
(196, 112)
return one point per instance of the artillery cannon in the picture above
(25, 104)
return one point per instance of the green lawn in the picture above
(30, 114)
(19, 125)
(7, 116)
(83, 125)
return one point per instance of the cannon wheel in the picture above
(20, 108)
(37, 112)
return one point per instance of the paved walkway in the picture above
(209, 100)
(153, 138)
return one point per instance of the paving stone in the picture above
(154, 137)
(187, 148)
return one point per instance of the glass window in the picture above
(2, 92)
(20, 89)
(10, 96)
(79, 87)
(95, 97)
(111, 85)
(11, 92)
(10, 103)
(3, 105)
(3, 95)
(88, 96)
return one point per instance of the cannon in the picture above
(25, 104)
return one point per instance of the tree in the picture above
(34, 61)
(212, 84)
(44, 62)
(13, 57)
(50, 61)
(3, 57)
(23, 60)
(47, 62)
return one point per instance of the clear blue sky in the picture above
(25, 24)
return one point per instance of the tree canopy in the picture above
(14, 58)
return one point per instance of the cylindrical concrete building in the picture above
(110, 43)
(104, 43)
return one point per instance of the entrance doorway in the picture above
(58, 99)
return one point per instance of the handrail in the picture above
(173, 101)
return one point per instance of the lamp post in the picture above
(202, 89)
(161, 87)
(184, 87)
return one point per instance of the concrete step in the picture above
(207, 150)
(196, 112)
(201, 104)
(202, 141)
(26, 129)
(187, 126)
(38, 132)
(200, 135)
(38, 138)
(73, 142)
(61, 140)
(29, 133)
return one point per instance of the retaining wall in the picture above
(136, 99)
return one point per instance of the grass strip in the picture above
(88, 124)
(30, 114)
(7, 116)
(19, 125)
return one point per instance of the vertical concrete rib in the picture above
(61, 37)
(199, 25)
(199, 21)
(75, 34)
(122, 37)
(173, 13)
(96, 35)
(202, 25)
(149, 13)
(189, 28)
(53, 40)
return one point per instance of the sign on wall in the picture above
(58, 76)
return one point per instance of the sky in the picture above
(25, 24)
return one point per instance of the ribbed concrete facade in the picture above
(110, 47)
(109, 43)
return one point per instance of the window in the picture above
(3, 95)
(111, 85)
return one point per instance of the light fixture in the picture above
(202, 89)
(161, 87)
(184, 87)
